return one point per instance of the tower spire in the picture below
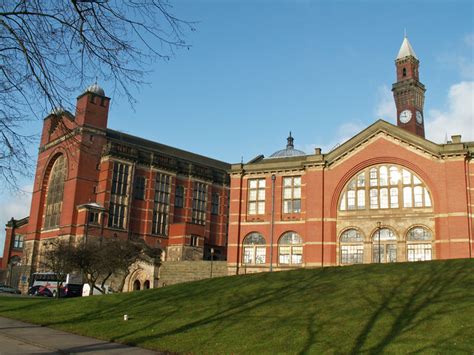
(289, 144)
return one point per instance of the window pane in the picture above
(260, 255)
(297, 192)
(297, 181)
(394, 175)
(361, 180)
(252, 208)
(383, 179)
(253, 195)
(287, 206)
(351, 199)
(394, 197)
(287, 181)
(253, 184)
(373, 177)
(261, 207)
(287, 193)
(427, 198)
(261, 183)
(261, 194)
(296, 258)
(406, 177)
(374, 203)
(418, 192)
(384, 198)
(296, 206)
(342, 205)
(361, 199)
(248, 255)
(416, 181)
(407, 197)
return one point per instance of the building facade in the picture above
(385, 195)
(93, 182)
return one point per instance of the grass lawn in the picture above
(398, 308)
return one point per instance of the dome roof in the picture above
(289, 151)
(96, 89)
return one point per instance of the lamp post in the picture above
(378, 227)
(212, 259)
(272, 222)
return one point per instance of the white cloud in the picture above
(385, 107)
(16, 206)
(458, 118)
(344, 132)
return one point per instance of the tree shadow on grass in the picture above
(411, 303)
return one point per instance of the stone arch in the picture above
(137, 285)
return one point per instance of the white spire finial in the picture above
(405, 32)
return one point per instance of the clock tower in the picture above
(408, 92)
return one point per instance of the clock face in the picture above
(405, 116)
(419, 117)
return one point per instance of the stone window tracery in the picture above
(389, 187)
(352, 247)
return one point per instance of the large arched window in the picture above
(384, 187)
(352, 247)
(290, 249)
(384, 246)
(54, 197)
(419, 244)
(254, 249)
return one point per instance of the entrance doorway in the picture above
(384, 246)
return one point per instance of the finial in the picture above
(405, 30)
(289, 144)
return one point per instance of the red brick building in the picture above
(385, 195)
(94, 182)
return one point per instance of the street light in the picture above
(378, 227)
(212, 259)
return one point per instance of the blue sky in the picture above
(258, 69)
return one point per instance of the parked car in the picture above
(8, 289)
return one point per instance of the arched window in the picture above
(254, 249)
(290, 249)
(352, 247)
(384, 246)
(419, 247)
(55, 190)
(404, 72)
(137, 285)
(389, 187)
(146, 285)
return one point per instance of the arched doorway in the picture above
(136, 285)
(384, 246)
(146, 285)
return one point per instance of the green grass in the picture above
(398, 308)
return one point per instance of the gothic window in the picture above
(389, 187)
(292, 194)
(18, 242)
(179, 196)
(199, 203)
(254, 249)
(352, 247)
(256, 196)
(419, 247)
(161, 204)
(54, 197)
(290, 249)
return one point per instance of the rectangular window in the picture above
(419, 252)
(120, 179)
(139, 188)
(292, 194)
(418, 194)
(94, 217)
(199, 203)
(256, 196)
(18, 242)
(161, 204)
(351, 200)
(179, 196)
(215, 203)
(260, 255)
(352, 254)
(407, 197)
(117, 215)
(194, 241)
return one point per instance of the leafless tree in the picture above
(49, 50)
(58, 258)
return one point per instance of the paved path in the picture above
(23, 338)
